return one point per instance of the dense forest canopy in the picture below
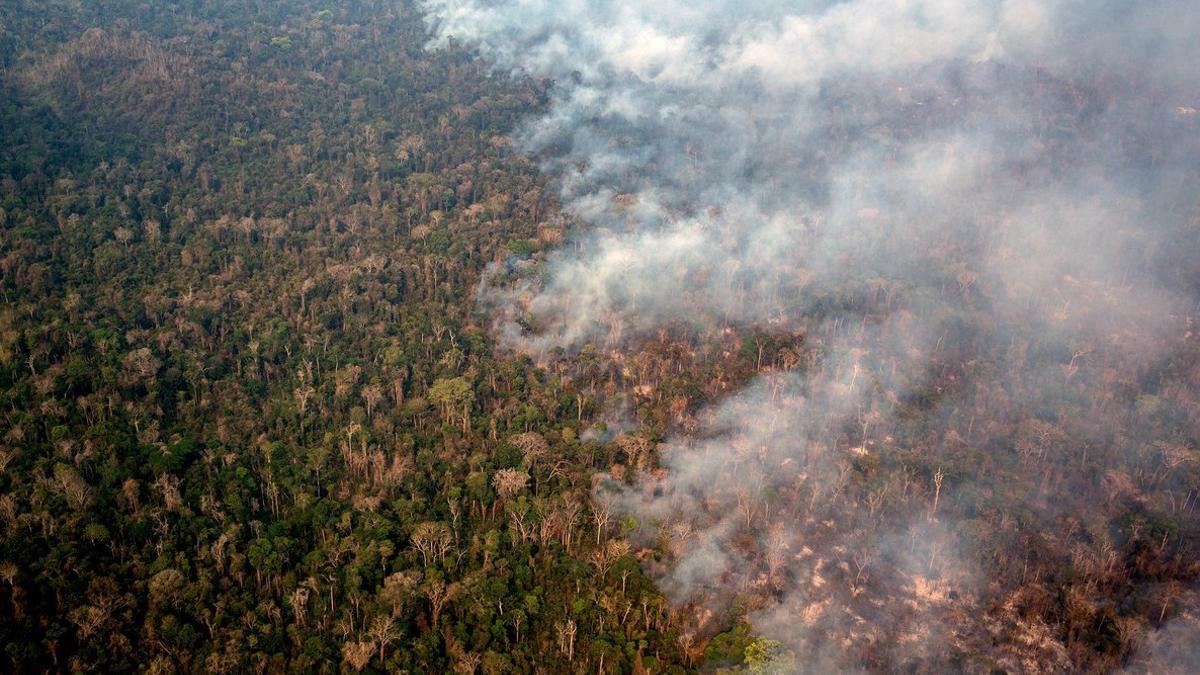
(381, 336)
(249, 420)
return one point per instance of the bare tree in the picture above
(298, 600)
(432, 540)
(602, 513)
(72, 485)
(938, 477)
(639, 450)
(302, 395)
(439, 594)
(466, 663)
(398, 590)
(604, 558)
(533, 447)
(568, 516)
(566, 638)
(747, 503)
(509, 482)
(358, 654)
(383, 631)
(776, 554)
(372, 394)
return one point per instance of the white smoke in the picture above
(751, 163)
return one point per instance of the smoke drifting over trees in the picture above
(977, 219)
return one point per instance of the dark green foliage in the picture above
(239, 364)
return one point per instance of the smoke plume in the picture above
(913, 189)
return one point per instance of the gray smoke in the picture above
(753, 163)
(728, 155)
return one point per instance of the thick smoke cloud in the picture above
(738, 164)
(724, 149)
